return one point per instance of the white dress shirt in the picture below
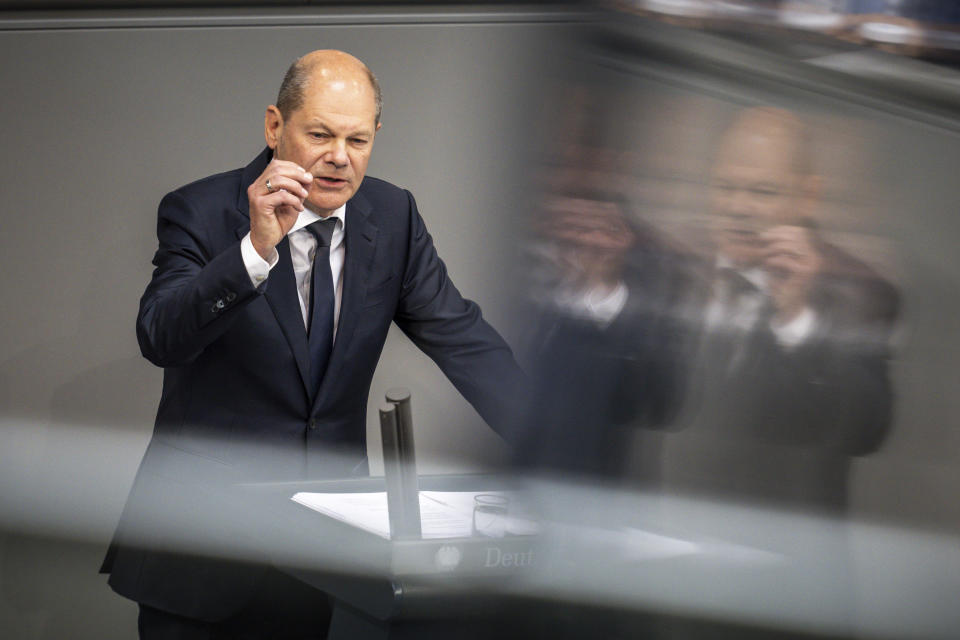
(743, 312)
(302, 248)
(602, 304)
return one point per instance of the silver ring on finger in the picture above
(270, 187)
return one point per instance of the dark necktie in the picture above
(734, 285)
(320, 324)
(747, 311)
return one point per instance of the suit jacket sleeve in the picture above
(196, 289)
(452, 331)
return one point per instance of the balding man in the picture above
(792, 380)
(273, 291)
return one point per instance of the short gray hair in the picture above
(290, 96)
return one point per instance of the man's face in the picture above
(331, 135)
(587, 225)
(592, 236)
(755, 187)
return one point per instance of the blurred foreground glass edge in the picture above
(600, 545)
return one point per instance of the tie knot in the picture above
(735, 283)
(322, 230)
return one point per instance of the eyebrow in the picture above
(320, 124)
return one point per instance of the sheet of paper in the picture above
(443, 514)
(367, 511)
(459, 501)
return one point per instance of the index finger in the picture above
(785, 232)
(290, 170)
(792, 250)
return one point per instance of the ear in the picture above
(374, 137)
(272, 126)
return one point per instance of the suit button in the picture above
(220, 304)
(313, 423)
(231, 296)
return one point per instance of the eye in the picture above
(358, 141)
(319, 135)
(766, 192)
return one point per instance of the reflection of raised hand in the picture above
(591, 238)
(793, 262)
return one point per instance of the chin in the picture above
(326, 204)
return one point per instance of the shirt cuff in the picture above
(257, 268)
(797, 330)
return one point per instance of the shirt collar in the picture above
(757, 276)
(308, 217)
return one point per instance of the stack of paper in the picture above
(443, 514)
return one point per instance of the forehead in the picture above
(757, 158)
(759, 147)
(753, 174)
(584, 215)
(563, 204)
(342, 101)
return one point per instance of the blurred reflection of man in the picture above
(605, 348)
(792, 376)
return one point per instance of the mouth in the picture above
(330, 182)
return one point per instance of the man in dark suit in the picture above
(792, 379)
(273, 291)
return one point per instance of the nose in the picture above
(737, 205)
(337, 155)
(738, 201)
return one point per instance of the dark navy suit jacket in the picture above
(236, 404)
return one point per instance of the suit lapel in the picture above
(360, 243)
(281, 293)
(283, 298)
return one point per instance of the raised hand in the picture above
(793, 262)
(276, 199)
